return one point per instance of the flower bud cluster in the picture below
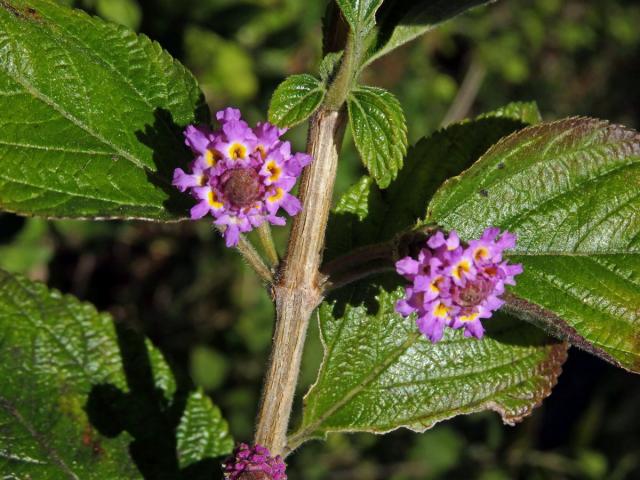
(254, 462)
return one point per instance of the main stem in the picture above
(298, 289)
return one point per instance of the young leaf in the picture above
(380, 374)
(78, 396)
(400, 21)
(360, 14)
(295, 100)
(568, 189)
(329, 65)
(202, 431)
(379, 131)
(525, 112)
(90, 117)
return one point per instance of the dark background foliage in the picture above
(210, 316)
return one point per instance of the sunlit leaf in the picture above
(90, 117)
(295, 100)
(569, 190)
(379, 131)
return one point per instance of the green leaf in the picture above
(379, 131)
(202, 431)
(380, 374)
(359, 14)
(329, 66)
(295, 100)
(400, 21)
(525, 112)
(30, 250)
(78, 395)
(569, 190)
(366, 214)
(124, 12)
(91, 117)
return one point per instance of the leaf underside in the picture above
(91, 116)
(569, 190)
(78, 396)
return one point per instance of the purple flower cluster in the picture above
(254, 462)
(241, 176)
(456, 285)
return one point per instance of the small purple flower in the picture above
(456, 285)
(254, 463)
(240, 176)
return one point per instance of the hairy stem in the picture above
(266, 239)
(297, 290)
(254, 259)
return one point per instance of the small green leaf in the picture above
(78, 395)
(295, 100)
(91, 116)
(360, 14)
(202, 431)
(525, 112)
(400, 21)
(380, 374)
(329, 65)
(569, 190)
(379, 131)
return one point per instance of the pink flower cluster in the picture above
(455, 285)
(241, 176)
(257, 460)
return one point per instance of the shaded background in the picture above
(211, 318)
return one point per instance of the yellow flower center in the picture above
(212, 157)
(213, 200)
(237, 151)
(441, 311)
(480, 253)
(435, 285)
(262, 151)
(276, 196)
(468, 318)
(274, 170)
(460, 269)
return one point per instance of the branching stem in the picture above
(298, 291)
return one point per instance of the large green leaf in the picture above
(295, 100)
(380, 374)
(569, 190)
(379, 131)
(90, 116)
(400, 21)
(78, 396)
